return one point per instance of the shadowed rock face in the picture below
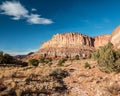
(67, 45)
(115, 38)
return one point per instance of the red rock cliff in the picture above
(115, 38)
(72, 44)
(101, 40)
(67, 45)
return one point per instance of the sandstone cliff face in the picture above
(115, 38)
(72, 44)
(67, 45)
(101, 40)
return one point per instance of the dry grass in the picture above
(36, 80)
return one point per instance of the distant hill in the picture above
(23, 56)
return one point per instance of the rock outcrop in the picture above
(115, 38)
(67, 45)
(72, 44)
(101, 40)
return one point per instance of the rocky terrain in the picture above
(74, 80)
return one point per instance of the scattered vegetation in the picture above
(6, 58)
(45, 60)
(33, 62)
(107, 58)
(42, 60)
(87, 65)
(59, 73)
(50, 63)
(61, 61)
(77, 57)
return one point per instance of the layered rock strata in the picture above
(101, 40)
(67, 45)
(115, 38)
(72, 44)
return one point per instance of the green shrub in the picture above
(61, 61)
(42, 60)
(77, 57)
(87, 65)
(59, 73)
(45, 60)
(6, 58)
(1, 57)
(107, 58)
(34, 62)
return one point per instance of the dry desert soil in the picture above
(73, 79)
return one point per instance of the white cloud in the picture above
(33, 9)
(36, 19)
(18, 11)
(14, 9)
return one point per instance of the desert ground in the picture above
(76, 80)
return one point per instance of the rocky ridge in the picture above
(72, 44)
(115, 38)
(67, 45)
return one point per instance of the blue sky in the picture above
(25, 24)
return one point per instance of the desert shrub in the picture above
(117, 66)
(42, 60)
(7, 59)
(87, 65)
(77, 57)
(59, 73)
(61, 61)
(118, 54)
(50, 63)
(45, 60)
(33, 62)
(1, 57)
(107, 58)
(95, 55)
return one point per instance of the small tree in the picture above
(1, 57)
(77, 57)
(8, 59)
(87, 65)
(33, 62)
(107, 58)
